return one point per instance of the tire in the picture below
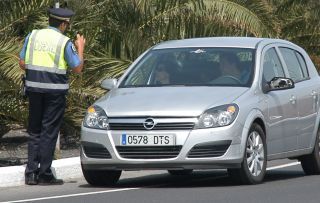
(252, 172)
(180, 172)
(311, 162)
(101, 177)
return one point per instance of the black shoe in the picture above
(49, 180)
(31, 179)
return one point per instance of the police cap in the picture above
(61, 14)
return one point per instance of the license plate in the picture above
(144, 140)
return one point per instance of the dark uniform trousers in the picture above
(45, 117)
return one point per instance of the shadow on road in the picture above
(198, 179)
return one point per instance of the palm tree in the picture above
(14, 16)
(118, 31)
(303, 25)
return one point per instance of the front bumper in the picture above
(187, 139)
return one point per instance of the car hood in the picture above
(166, 101)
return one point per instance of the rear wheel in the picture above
(180, 172)
(101, 177)
(253, 166)
(311, 162)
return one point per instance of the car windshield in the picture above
(193, 67)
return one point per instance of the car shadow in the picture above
(198, 179)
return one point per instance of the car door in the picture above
(281, 107)
(306, 92)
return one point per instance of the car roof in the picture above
(242, 42)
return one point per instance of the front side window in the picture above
(193, 67)
(271, 65)
(292, 63)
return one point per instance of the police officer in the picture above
(45, 57)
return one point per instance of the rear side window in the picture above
(293, 64)
(271, 65)
(303, 65)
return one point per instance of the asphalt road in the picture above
(284, 182)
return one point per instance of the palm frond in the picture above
(88, 20)
(102, 67)
(242, 14)
(18, 10)
(12, 106)
(9, 60)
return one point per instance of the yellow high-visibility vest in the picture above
(45, 63)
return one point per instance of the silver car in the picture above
(206, 103)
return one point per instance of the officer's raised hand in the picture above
(80, 43)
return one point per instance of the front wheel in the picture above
(253, 166)
(311, 162)
(101, 177)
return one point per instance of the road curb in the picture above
(63, 168)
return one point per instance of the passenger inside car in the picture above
(163, 74)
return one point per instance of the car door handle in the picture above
(314, 94)
(293, 99)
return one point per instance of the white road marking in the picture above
(127, 189)
(73, 195)
(283, 166)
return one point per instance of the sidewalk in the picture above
(63, 168)
(13, 158)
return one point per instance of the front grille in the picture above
(158, 126)
(206, 150)
(150, 152)
(93, 150)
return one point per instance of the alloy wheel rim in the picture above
(255, 153)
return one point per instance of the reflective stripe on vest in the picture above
(47, 85)
(45, 61)
(50, 70)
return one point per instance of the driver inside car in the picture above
(230, 71)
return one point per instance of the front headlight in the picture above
(96, 118)
(218, 116)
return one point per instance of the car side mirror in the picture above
(109, 84)
(278, 83)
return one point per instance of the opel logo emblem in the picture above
(149, 124)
